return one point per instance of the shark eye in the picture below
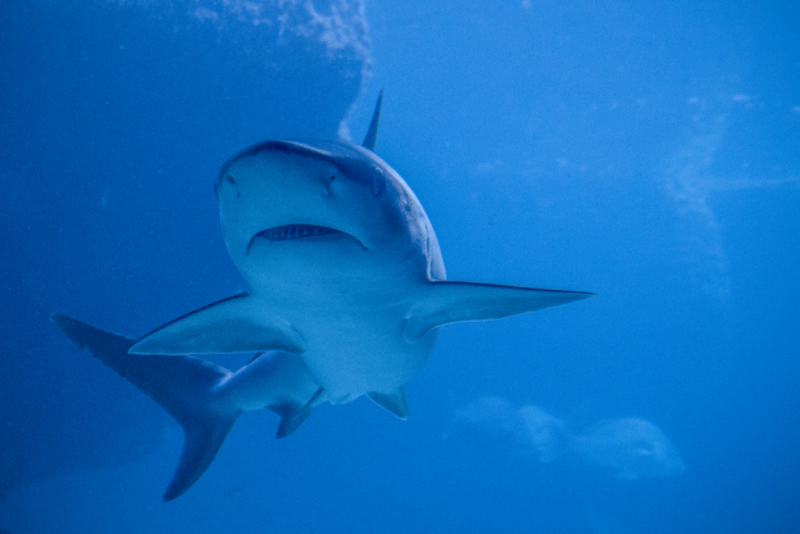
(332, 178)
(378, 182)
(230, 180)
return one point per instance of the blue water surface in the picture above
(647, 152)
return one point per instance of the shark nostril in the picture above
(326, 190)
(230, 179)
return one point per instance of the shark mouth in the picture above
(293, 231)
(300, 231)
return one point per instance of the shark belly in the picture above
(353, 330)
(358, 355)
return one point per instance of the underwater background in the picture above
(647, 152)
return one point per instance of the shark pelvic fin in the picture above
(292, 418)
(182, 385)
(372, 134)
(394, 401)
(236, 324)
(452, 302)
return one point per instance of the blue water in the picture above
(649, 153)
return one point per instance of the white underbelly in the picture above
(352, 355)
(352, 324)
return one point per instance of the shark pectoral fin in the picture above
(394, 401)
(451, 302)
(236, 324)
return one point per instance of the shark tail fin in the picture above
(204, 437)
(182, 385)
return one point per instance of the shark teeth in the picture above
(295, 231)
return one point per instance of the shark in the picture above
(630, 448)
(346, 295)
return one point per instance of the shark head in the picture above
(319, 206)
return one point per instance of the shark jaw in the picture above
(295, 231)
(291, 232)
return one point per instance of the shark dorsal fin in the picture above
(372, 133)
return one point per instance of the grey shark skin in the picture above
(346, 291)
